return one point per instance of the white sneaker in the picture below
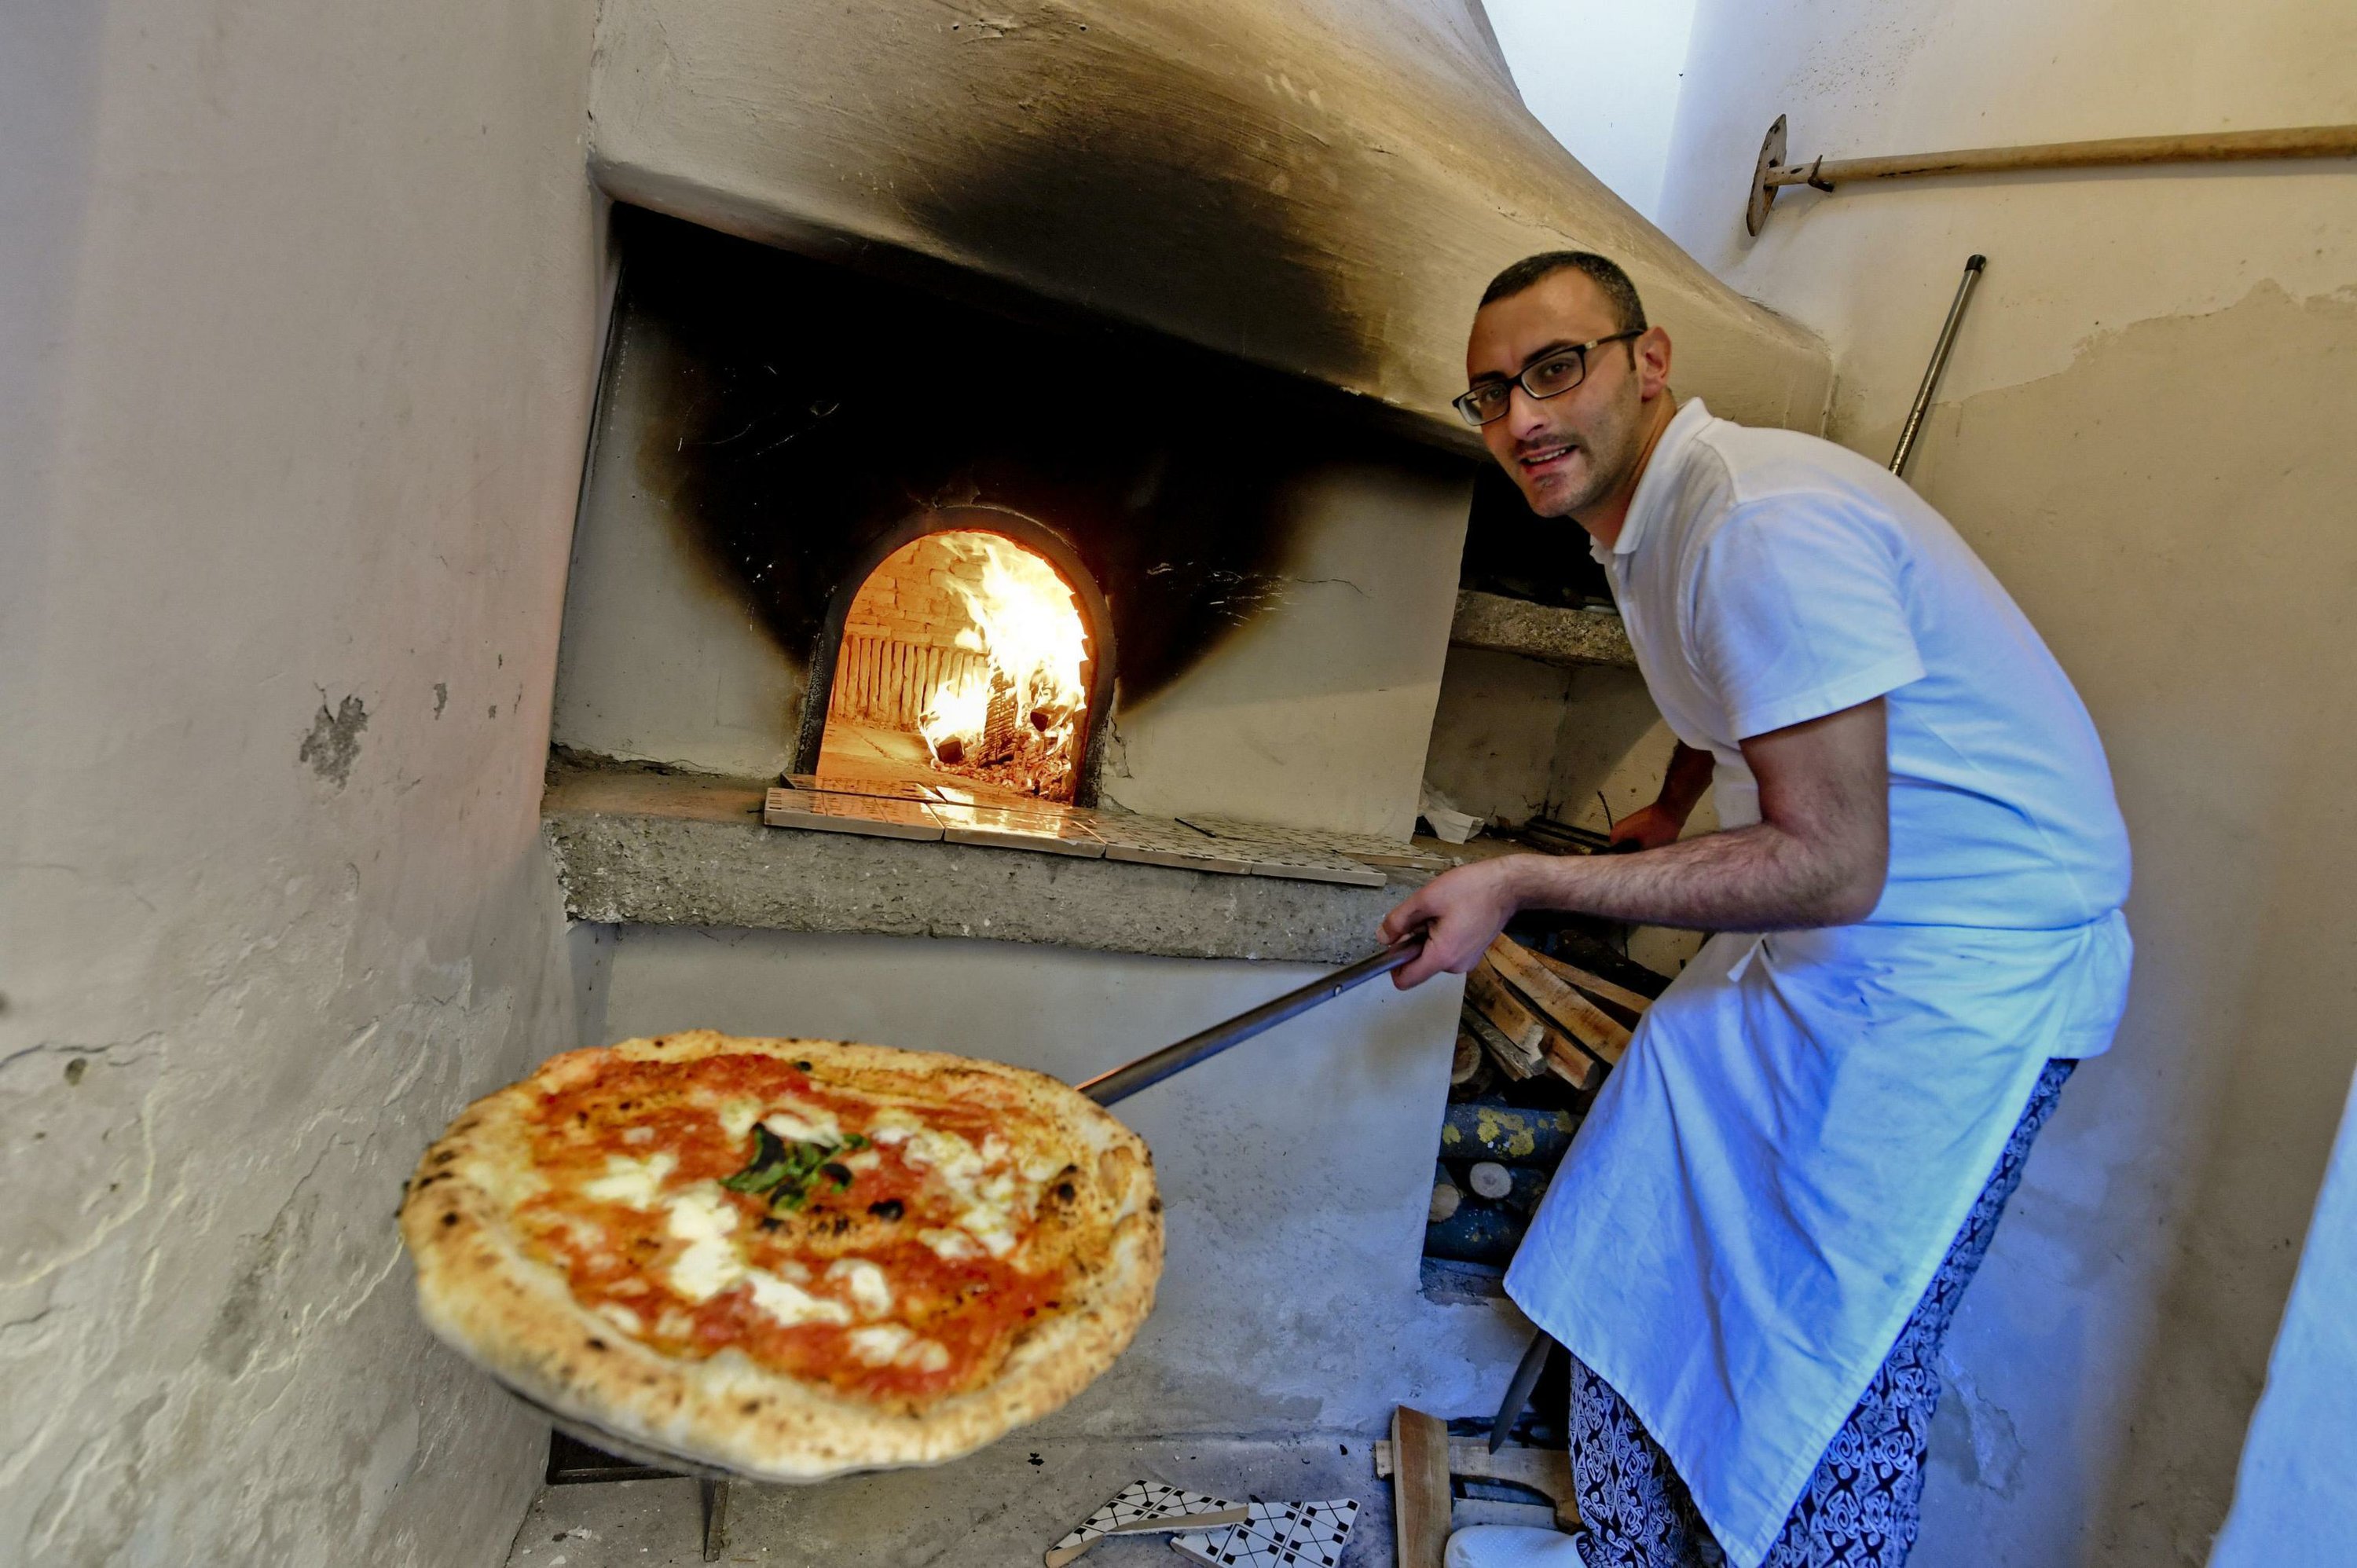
(1513, 1546)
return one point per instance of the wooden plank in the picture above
(1602, 1034)
(1544, 1470)
(1420, 1512)
(1544, 1046)
(1512, 1059)
(1596, 986)
(1573, 1065)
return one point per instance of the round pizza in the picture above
(788, 1258)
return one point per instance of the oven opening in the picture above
(965, 660)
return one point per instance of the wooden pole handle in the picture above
(2215, 146)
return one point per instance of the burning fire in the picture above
(1014, 716)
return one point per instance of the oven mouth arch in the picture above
(1019, 528)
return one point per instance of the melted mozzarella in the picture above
(791, 1305)
(703, 1219)
(885, 1344)
(878, 1345)
(950, 1246)
(737, 1118)
(638, 1182)
(865, 1160)
(800, 1123)
(639, 1135)
(622, 1317)
(987, 1200)
(870, 1291)
(894, 1127)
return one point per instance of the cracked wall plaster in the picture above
(294, 384)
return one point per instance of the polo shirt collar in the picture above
(1657, 483)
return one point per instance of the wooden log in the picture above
(1507, 1134)
(1467, 1058)
(1489, 1179)
(1476, 1232)
(1445, 1196)
(1536, 1043)
(1603, 1036)
(1512, 1059)
(1419, 1488)
(1596, 986)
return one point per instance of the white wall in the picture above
(2145, 434)
(299, 305)
(1603, 77)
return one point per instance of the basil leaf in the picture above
(769, 1163)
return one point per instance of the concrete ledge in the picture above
(1548, 633)
(642, 848)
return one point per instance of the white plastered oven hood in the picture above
(1320, 186)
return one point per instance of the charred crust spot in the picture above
(1152, 1206)
(803, 1066)
(750, 1407)
(596, 1343)
(1066, 1191)
(891, 1208)
(445, 1157)
(450, 1219)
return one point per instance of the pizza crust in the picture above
(514, 1315)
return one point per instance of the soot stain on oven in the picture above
(809, 410)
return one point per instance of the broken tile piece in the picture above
(1277, 1535)
(1144, 1506)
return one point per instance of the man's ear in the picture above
(1651, 353)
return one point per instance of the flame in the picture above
(1029, 632)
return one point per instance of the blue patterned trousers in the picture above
(1860, 1508)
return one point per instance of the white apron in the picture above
(1767, 1182)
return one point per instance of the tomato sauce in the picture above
(619, 1255)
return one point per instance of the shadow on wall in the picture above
(812, 410)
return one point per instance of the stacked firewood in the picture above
(1528, 1018)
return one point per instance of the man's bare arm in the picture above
(1817, 857)
(1650, 827)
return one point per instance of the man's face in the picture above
(1570, 451)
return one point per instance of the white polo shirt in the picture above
(1767, 1182)
(1767, 578)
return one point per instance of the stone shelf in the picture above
(1548, 633)
(645, 847)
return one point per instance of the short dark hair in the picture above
(1619, 294)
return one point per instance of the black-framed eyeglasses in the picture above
(1552, 374)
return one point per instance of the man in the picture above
(1757, 1239)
